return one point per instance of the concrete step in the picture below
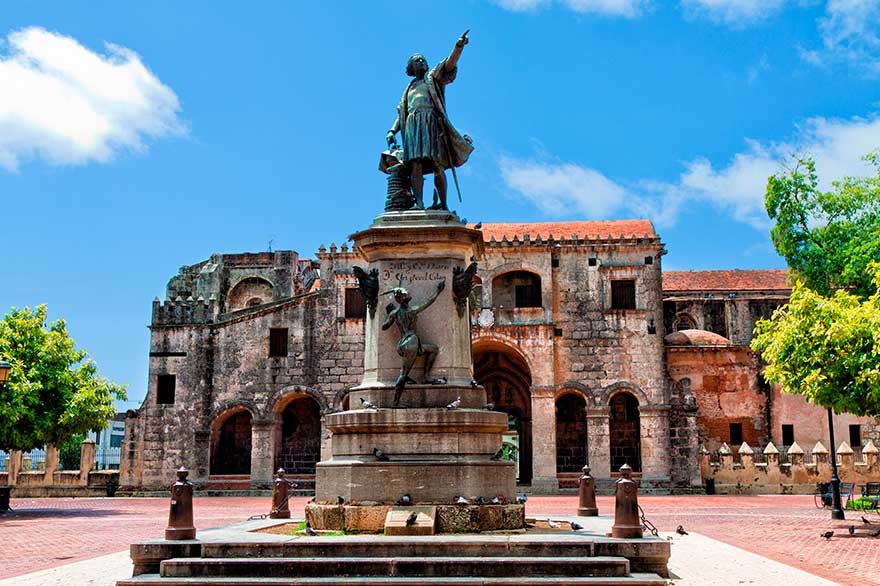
(640, 579)
(414, 547)
(397, 567)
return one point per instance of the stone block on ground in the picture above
(396, 521)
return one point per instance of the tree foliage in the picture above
(826, 348)
(828, 238)
(54, 390)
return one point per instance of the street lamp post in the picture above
(836, 507)
(5, 491)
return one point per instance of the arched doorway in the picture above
(571, 433)
(624, 433)
(507, 378)
(231, 443)
(298, 435)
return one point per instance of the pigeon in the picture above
(852, 529)
(576, 526)
(411, 520)
(309, 530)
(340, 500)
(876, 533)
(827, 534)
(462, 501)
(478, 225)
(367, 405)
(551, 523)
(497, 455)
(680, 530)
(481, 500)
(669, 538)
(865, 521)
(489, 407)
(405, 500)
(474, 383)
(495, 500)
(455, 404)
(380, 455)
(521, 499)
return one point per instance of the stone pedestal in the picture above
(427, 451)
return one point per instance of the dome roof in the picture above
(695, 338)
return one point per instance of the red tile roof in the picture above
(613, 229)
(732, 280)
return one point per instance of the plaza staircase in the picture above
(417, 561)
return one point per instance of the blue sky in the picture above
(139, 137)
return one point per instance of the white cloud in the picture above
(735, 13)
(736, 187)
(624, 8)
(68, 105)
(849, 32)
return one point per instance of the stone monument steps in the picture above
(461, 566)
(634, 579)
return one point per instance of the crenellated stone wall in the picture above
(769, 471)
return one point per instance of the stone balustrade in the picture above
(793, 471)
(50, 481)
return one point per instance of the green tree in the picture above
(826, 348)
(54, 390)
(830, 237)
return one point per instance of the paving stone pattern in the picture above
(45, 533)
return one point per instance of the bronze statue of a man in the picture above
(430, 142)
(410, 346)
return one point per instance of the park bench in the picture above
(822, 496)
(871, 492)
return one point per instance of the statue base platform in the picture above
(449, 518)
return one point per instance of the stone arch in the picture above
(502, 343)
(297, 432)
(506, 374)
(231, 439)
(282, 396)
(624, 430)
(624, 386)
(571, 431)
(684, 321)
(572, 386)
(517, 288)
(248, 289)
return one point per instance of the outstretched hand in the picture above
(463, 39)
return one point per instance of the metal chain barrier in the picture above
(647, 524)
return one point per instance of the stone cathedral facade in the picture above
(595, 354)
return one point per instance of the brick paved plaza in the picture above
(46, 533)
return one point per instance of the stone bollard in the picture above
(587, 495)
(626, 506)
(281, 496)
(180, 516)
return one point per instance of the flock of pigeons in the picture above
(851, 530)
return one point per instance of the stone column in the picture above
(51, 465)
(544, 440)
(654, 437)
(13, 467)
(86, 460)
(599, 441)
(262, 451)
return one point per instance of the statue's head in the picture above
(416, 66)
(402, 296)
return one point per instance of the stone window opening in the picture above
(517, 289)
(855, 436)
(623, 294)
(166, 385)
(254, 301)
(787, 434)
(736, 435)
(249, 292)
(355, 304)
(278, 342)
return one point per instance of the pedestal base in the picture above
(449, 518)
